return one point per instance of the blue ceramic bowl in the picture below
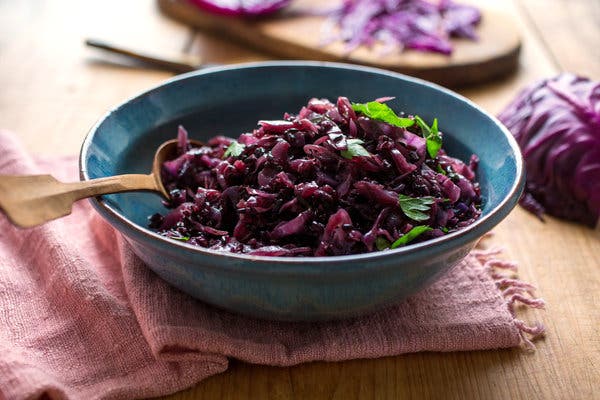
(229, 100)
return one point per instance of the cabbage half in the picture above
(557, 124)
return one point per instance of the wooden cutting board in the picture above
(291, 35)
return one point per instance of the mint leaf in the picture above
(382, 243)
(382, 112)
(411, 235)
(234, 149)
(432, 135)
(355, 149)
(413, 207)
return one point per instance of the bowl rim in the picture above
(455, 239)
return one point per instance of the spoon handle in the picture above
(180, 65)
(31, 200)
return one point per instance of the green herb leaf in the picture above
(182, 238)
(355, 149)
(444, 229)
(234, 149)
(432, 135)
(413, 207)
(411, 235)
(382, 243)
(441, 170)
(382, 112)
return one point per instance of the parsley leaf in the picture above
(413, 207)
(432, 135)
(355, 149)
(182, 238)
(411, 235)
(382, 243)
(234, 149)
(382, 112)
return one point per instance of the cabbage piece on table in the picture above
(557, 125)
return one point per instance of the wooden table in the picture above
(53, 89)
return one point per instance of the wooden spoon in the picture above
(31, 200)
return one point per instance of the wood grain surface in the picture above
(293, 34)
(569, 31)
(53, 89)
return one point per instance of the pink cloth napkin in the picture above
(81, 317)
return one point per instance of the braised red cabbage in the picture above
(557, 125)
(334, 179)
(407, 24)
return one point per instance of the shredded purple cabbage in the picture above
(407, 24)
(241, 7)
(301, 186)
(557, 125)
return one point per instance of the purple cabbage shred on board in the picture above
(557, 125)
(247, 8)
(334, 179)
(406, 24)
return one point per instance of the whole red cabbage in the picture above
(557, 124)
(421, 25)
(327, 181)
